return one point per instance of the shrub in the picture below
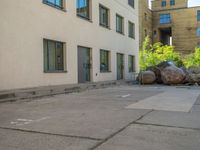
(151, 55)
(192, 59)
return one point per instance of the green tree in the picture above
(151, 55)
(192, 59)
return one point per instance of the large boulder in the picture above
(147, 77)
(172, 75)
(157, 70)
(195, 70)
(157, 73)
(194, 78)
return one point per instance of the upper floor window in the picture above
(172, 2)
(163, 3)
(53, 56)
(131, 29)
(119, 24)
(198, 15)
(103, 16)
(131, 3)
(55, 3)
(198, 31)
(83, 8)
(165, 18)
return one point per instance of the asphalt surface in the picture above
(117, 118)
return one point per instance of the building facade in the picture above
(173, 23)
(56, 42)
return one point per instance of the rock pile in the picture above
(168, 73)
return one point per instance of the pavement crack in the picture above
(52, 134)
(118, 131)
(169, 126)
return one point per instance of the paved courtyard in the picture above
(115, 118)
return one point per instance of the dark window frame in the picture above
(106, 61)
(198, 31)
(131, 63)
(165, 18)
(87, 9)
(59, 68)
(172, 2)
(163, 3)
(60, 7)
(198, 15)
(198, 44)
(107, 24)
(131, 34)
(122, 24)
(131, 3)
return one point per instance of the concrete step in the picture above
(38, 92)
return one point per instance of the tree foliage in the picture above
(151, 55)
(192, 59)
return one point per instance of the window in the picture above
(163, 3)
(131, 3)
(155, 33)
(83, 8)
(172, 2)
(119, 24)
(131, 29)
(104, 61)
(103, 16)
(198, 44)
(165, 18)
(145, 16)
(198, 31)
(131, 63)
(53, 56)
(145, 32)
(198, 15)
(55, 3)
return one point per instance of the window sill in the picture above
(54, 6)
(132, 71)
(55, 71)
(120, 33)
(105, 71)
(84, 18)
(133, 7)
(131, 37)
(104, 26)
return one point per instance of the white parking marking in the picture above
(124, 96)
(20, 122)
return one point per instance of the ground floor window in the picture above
(198, 44)
(131, 63)
(198, 31)
(104, 61)
(53, 56)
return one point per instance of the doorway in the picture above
(84, 64)
(120, 66)
(166, 36)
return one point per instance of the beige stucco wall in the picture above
(24, 24)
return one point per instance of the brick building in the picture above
(171, 22)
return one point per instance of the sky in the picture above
(192, 3)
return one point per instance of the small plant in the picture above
(152, 55)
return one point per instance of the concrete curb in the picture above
(38, 92)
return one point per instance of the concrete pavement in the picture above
(102, 119)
